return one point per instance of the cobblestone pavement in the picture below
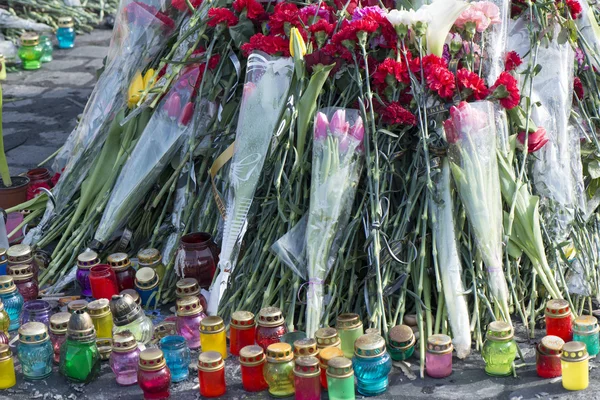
(40, 112)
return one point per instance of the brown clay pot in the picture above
(14, 195)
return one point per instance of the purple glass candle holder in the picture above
(36, 311)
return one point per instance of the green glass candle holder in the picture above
(585, 329)
(401, 342)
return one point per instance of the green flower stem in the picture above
(4, 172)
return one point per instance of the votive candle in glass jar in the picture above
(24, 280)
(21, 254)
(212, 335)
(4, 319)
(189, 316)
(75, 305)
(372, 365)
(252, 362)
(585, 329)
(242, 331)
(349, 328)
(35, 351)
(103, 282)
(124, 271)
(547, 359)
(271, 327)
(151, 258)
(305, 347)
(340, 379)
(575, 368)
(211, 374)
(31, 51)
(558, 319)
(124, 358)
(499, 349)
(133, 294)
(187, 287)
(12, 300)
(177, 356)
(165, 328)
(85, 261)
(36, 310)
(3, 260)
(146, 284)
(401, 342)
(58, 332)
(327, 337)
(99, 310)
(65, 34)
(79, 355)
(154, 376)
(307, 383)
(128, 315)
(46, 43)
(200, 257)
(104, 346)
(279, 369)
(438, 359)
(325, 355)
(7, 368)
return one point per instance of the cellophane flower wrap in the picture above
(145, 30)
(267, 83)
(471, 134)
(165, 133)
(337, 158)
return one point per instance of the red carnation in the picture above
(471, 84)
(221, 16)
(506, 90)
(512, 61)
(181, 5)
(578, 88)
(574, 8)
(284, 13)
(388, 69)
(321, 26)
(441, 80)
(432, 61)
(395, 114)
(272, 45)
(253, 8)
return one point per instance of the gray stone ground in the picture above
(40, 112)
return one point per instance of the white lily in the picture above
(443, 14)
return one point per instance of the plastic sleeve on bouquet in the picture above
(495, 42)
(267, 83)
(590, 32)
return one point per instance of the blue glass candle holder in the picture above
(177, 355)
(35, 351)
(3, 261)
(585, 329)
(372, 365)
(65, 34)
(146, 284)
(12, 299)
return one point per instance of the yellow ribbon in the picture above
(220, 161)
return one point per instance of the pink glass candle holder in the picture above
(438, 359)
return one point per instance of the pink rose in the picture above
(535, 141)
(321, 126)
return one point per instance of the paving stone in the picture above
(63, 65)
(92, 51)
(55, 139)
(28, 155)
(95, 64)
(10, 117)
(20, 91)
(59, 78)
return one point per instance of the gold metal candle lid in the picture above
(347, 321)
(2, 250)
(189, 306)
(104, 346)
(59, 322)
(574, 351)
(146, 278)
(148, 256)
(242, 320)
(152, 359)
(327, 354)
(270, 316)
(124, 310)
(369, 346)
(5, 352)
(212, 324)
(77, 305)
(401, 337)
(279, 353)
(7, 285)
(307, 367)
(551, 345)
(123, 341)
(133, 294)
(33, 333)
(209, 361)
(80, 327)
(87, 259)
(98, 308)
(20, 253)
(327, 337)
(305, 347)
(370, 331)
(119, 261)
(557, 308)
(499, 331)
(340, 367)
(187, 287)
(163, 329)
(21, 272)
(252, 355)
(585, 325)
(65, 22)
(439, 344)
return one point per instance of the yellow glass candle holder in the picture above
(574, 363)
(7, 368)
(212, 335)
(102, 319)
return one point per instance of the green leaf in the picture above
(594, 169)
(241, 32)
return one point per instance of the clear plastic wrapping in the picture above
(496, 38)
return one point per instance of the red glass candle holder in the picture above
(252, 361)
(242, 331)
(307, 378)
(103, 282)
(547, 360)
(201, 257)
(211, 374)
(324, 356)
(271, 327)
(154, 376)
(558, 319)
(124, 272)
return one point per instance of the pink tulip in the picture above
(535, 141)
(321, 126)
(358, 130)
(186, 114)
(338, 124)
(451, 132)
(173, 106)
